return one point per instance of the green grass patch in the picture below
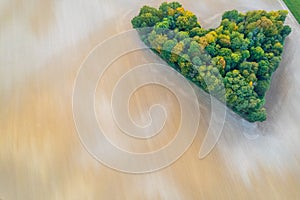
(294, 6)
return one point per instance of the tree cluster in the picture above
(239, 57)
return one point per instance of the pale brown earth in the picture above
(43, 44)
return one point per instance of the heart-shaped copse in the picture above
(233, 62)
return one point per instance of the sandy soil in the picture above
(43, 44)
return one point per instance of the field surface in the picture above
(44, 43)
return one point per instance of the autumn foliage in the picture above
(239, 57)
